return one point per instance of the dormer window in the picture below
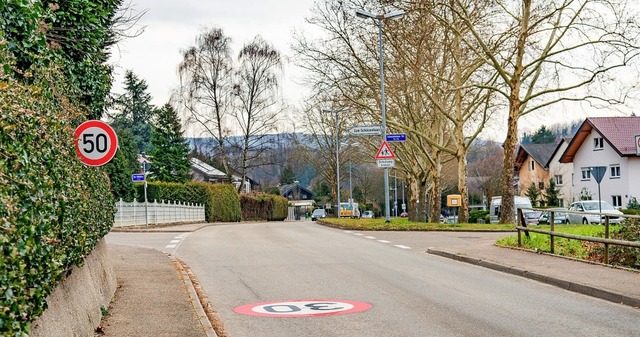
(598, 143)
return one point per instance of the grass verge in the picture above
(403, 224)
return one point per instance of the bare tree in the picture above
(258, 106)
(206, 87)
(558, 51)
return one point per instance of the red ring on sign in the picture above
(113, 139)
(302, 308)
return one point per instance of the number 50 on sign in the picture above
(96, 142)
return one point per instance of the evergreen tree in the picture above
(287, 176)
(135, 111)
(551, 194)
(533, 193)
(122, 166)
(543, 136)
(169, 156)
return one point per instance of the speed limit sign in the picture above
(96, 142)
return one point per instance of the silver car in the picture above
(590, 210)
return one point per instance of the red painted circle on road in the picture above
(302, 308)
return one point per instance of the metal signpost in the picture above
(598, 173)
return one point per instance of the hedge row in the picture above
(221, 201)
(264, 207)
(53, 209)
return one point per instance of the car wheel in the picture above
(585, 221)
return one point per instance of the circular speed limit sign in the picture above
(96, 142)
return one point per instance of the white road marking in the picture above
(370, 237)
(402, 247)
(384, 241)
(174, 241)
(360, 234)
(170, 246)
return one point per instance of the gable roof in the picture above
(206, 169)
(286, 189)
(541, 153)
(618, 132)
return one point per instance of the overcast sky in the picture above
(172, 26)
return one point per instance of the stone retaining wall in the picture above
(74, 306)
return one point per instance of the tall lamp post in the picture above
(378, 18)
(350, 181)
(337, 111)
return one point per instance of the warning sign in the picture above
(384, 152)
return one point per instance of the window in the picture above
(586, 173)
(598, 143)
(561, 202)
(558, 179)
(532, 165)
(617, 200)
(615, 171)
(541, 185)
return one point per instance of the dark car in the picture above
(559, 217)
(318, 213)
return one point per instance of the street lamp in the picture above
(350, 182)
(378, 18)
(336, 111)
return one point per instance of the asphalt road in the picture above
(411, 293)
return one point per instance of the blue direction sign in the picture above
(137, 177)
(396, 137)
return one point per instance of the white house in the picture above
(562, 174)
(606, 142)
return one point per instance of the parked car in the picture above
(559, 217)
(591, 210)
(318, 213)
(367, 215)
(531, 217)
(404, 214)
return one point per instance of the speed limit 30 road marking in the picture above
(302, 308)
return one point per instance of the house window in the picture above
(558, 179)
(532, 165)
(561, 202)
(586, 173)
(541, 185)
(598, 143)
(615, 171)
(617, 200)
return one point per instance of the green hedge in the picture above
(222, 203)
(256, 207)
(53, 209)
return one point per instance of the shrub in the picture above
(53, 209)
(475, 215)
(264, 207)
(629, 230)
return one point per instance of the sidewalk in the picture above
(154, 297)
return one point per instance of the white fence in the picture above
(133, 213)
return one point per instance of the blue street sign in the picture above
(396, 137)
(137, 177)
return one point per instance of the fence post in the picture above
(121, 210)
(551, 237)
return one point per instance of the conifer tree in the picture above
(170, 150)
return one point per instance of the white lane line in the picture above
(348, 231)
(174, 241)
(170, 246)
(402, 247)
(384, 241)
(359, 234)
(370, 237)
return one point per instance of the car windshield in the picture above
(318, 212)
(593, 206)
(532, 215)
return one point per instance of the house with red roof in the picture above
(608, 142)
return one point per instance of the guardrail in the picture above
(522, 227)
(155, 213)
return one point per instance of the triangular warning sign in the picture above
(384, 152)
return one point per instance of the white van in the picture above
(496, 207)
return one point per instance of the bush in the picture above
(221, 201)
(629, 230)
(53, 209)
(268, 207)
(475, 215)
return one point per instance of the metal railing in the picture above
(136, 214)
(522, 227)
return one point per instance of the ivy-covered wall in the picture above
(53, 209)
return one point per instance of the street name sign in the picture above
(386, 163)
(96, 142)
(137, 177)
(366, 130)
(396, 137)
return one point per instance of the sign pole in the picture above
(146, 212)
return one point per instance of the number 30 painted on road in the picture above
(96, 142)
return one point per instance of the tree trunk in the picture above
(436, 190)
